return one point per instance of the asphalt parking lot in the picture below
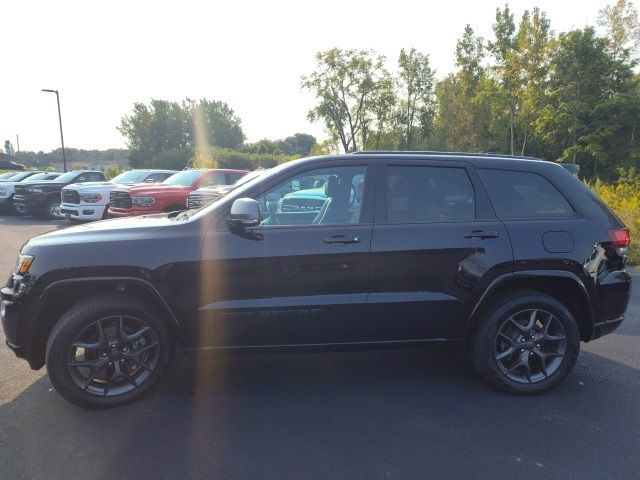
(393, 414)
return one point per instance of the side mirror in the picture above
(245, 212)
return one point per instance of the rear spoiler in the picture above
(571, 167)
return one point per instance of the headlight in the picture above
(143, 201)
(90, 197)
(3, 191)
(24, 262)
(37, 191)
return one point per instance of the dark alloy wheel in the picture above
(113, 355)
(530, 345)
(526, 343)
(107, 350)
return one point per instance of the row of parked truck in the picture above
(86, 195)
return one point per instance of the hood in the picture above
(115, 229)
(153, 188)
(90, 184)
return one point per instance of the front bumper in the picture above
(29, 205)
(85, 212)
(10, 312)
(5, 203)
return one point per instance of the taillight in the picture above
(620, 237)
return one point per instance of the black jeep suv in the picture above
(515, 258)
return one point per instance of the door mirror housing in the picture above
(245, 212)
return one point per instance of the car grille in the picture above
(70, 196)
(119, 199)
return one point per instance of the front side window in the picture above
(328, 196)
(523, 195)
(429, 194)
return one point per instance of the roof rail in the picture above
(433, 152)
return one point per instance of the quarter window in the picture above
(429, 194)
(523, 195)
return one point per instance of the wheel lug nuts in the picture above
(522, 350)
(531, 354)
(538, 346)
(522, 340)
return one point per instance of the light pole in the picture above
(64, 158)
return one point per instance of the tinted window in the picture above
(523, 195)
(429, 194)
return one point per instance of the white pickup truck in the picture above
(90, 201)
(8, 186)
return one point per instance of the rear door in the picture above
(436, 245)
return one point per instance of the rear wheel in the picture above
(107, 351)
(526, 343)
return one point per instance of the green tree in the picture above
(506, 67)
(620, 22)
(167, 134)
(462, 114)
(593, 103)
(346, 85)
(416, 106)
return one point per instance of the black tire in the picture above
(485, 347)
(49, 208)
(105, 214)
(108, 312)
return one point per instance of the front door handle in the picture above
(341, 240)
(481, 234)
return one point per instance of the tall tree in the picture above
(623, 30)
(347, 86)
(506, 66)
(588, 89)
(416, 82)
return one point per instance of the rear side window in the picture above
(523, 195)
(429, 194)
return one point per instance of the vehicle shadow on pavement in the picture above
(18, 220)
(391, 414)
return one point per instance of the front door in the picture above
(301, 276)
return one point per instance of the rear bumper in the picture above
(604, 328)
(614, 291)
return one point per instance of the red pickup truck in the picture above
(168, 196)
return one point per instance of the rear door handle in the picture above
(481, 234)
(341, 240)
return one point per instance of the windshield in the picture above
(20, 176)
(67, 177)
(132, 176)
(38, 176)
(184, 178)
(7, 175)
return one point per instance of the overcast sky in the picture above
(249, 54)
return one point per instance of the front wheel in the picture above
(52, 209)
(526, 343)
(107, 351)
